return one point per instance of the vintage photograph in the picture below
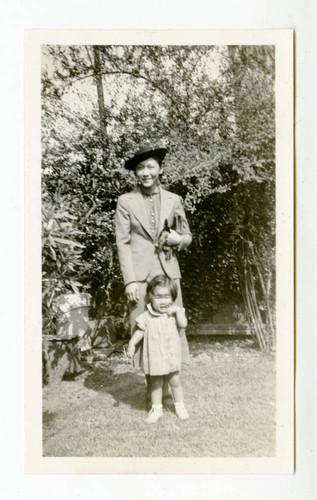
(159, 329)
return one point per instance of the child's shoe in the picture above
(155, 414)
(181, 411)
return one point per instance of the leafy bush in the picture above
(61, 253)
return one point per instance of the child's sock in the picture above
(181, 411)
(155, 414)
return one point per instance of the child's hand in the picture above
(131, 350)
(173, 309)
(180, 316)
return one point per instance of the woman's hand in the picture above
(173, 238)
(132, 292)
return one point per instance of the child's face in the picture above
(161, 299)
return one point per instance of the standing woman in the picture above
(151, 228)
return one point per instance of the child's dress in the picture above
(161, 350)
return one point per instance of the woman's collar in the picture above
(156, 190)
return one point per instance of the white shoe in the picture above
(181, 411)
(154, 415)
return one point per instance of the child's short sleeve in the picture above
(141, 321)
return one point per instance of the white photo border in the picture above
(283, 462)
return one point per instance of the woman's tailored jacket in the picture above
(137, 248)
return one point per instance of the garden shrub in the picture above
(219, 130)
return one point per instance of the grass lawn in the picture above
(230, 396)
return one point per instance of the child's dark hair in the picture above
(162, 280)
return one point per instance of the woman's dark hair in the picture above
(162, 280)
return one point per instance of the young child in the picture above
(161, 352)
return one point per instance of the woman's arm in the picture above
(181, 237)
(180, 240)
(123, 238)
(186, 240)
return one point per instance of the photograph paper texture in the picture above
(244, 428)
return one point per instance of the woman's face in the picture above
(147, 172)
(161, 299)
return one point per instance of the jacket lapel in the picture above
(138, 208)
(166, 207)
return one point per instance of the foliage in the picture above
(64, 355)
(106, 331)
(61, 253)
(60, 357)
(214, 109)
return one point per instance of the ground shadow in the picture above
(200, 344)
(127, 388)
(48, 418)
